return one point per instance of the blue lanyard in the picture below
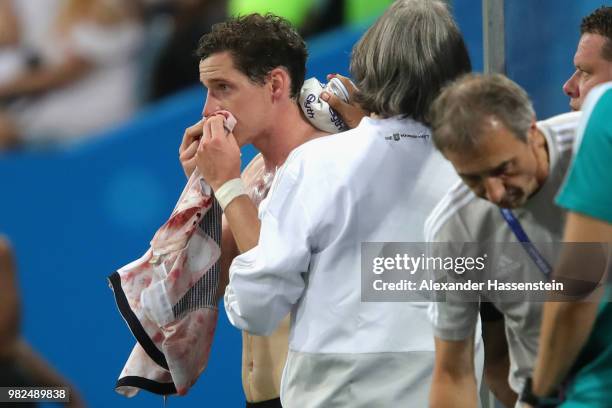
(520, 234)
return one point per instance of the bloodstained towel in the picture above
(168, 297)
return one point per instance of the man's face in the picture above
(231, 90)
(502, 168)
(591, 69)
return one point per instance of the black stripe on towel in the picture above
(134, 324)
(147, 385)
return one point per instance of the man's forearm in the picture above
(565, 329)
(497, 359)
(224, 265)
(242, 217)
(567, 326)
(496, 378)
(46, 79)
(450, 391)
(453, 384)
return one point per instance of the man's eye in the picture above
(500, 171)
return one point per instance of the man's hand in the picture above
(497, 360)
(189, 147)
(218, 156)
(351, 113)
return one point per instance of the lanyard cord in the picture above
(520, 234)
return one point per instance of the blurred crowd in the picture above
(73, 68)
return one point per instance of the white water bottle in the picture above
(316, 110)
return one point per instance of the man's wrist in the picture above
(230, 190)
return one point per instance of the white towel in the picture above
(168, 297)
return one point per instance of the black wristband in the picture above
(528, 397)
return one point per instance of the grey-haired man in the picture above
(511, 167)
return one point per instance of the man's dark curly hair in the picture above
(258, 44)
(600, 22)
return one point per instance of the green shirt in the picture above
(588, 187)
(588, 190)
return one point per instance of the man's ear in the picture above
(280, 83)
(533, 136)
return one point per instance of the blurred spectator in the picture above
(20, 366)
(22, 24)
(82, 71)
(176, 65)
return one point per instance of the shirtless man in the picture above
(253, 67)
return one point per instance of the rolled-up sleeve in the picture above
(268, 280)
(452, 314)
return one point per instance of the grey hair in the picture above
(403, 60)
(463, 109)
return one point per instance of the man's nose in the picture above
(570, 87)
(494, 189)
(210, 106)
